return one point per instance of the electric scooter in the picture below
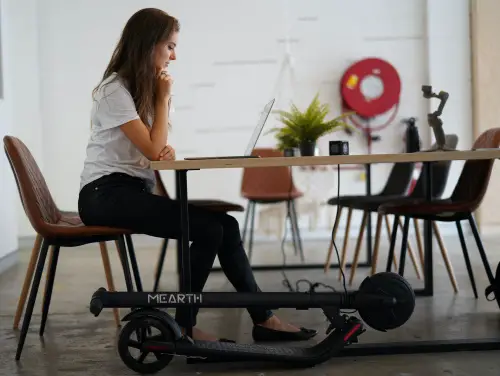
(384, 301)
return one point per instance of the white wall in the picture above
(23, 99)
(229, 59)
(449, 62)
(8, 222)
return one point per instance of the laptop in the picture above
(253, 140)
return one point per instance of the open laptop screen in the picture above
(258, 129)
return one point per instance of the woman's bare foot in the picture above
(275, 323)
(200, 335)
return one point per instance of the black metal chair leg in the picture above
(159, 265)
(245, 224)
(32, 298)
(133, 263)
(50, 286)
(394, 233)
(122, 252)
(404, 246)
(289, 216)
(252, 222)
(466, 257)
(297, 231)
(480, 247)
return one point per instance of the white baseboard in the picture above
(9, 260)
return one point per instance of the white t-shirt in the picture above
(108, 149)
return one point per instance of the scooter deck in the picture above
(246, 350)
(208, 351)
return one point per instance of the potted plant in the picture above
(303, 129)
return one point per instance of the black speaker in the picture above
(338, 148)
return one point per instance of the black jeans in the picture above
(123, 201)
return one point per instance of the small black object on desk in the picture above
(338, 148)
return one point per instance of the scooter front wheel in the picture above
(130, 341)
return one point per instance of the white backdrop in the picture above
(229, 59)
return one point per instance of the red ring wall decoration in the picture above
(351, 87)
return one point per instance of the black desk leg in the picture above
(179, 248)
(428, 264)
(369, 222)
(185, 259)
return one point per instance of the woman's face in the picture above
(165, 53)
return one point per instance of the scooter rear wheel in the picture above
(144, 328)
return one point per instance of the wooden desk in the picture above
(326, 160)
(428, 158)
(182, 166)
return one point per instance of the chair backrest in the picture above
(401, 175)
(440, 172)
(36, 198)
(399, 179)
(473, 181)
(266, 181)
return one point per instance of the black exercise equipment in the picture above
(384, 301)
(434, 120)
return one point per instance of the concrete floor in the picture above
(76, 343)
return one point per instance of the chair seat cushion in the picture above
(372, 204)
(71, 226)
(361, 201)
(419, 208)
(344, 200)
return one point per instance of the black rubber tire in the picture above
(162, 360)
(385, 318)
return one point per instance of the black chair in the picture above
(397, 184)
(440, 173)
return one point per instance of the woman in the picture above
(130, 123)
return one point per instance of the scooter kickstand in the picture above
(340, 322)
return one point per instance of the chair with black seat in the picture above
(397, 184)
(464, 200)
(440, 175)
(56, 229)
(210, 204)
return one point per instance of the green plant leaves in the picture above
(306, 126)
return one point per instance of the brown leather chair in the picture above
(465, 199)
(55, 229)
(270, 185)
(215, 205)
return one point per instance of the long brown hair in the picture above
(133, 57)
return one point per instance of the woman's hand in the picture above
(167, 154)
(164, 85)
